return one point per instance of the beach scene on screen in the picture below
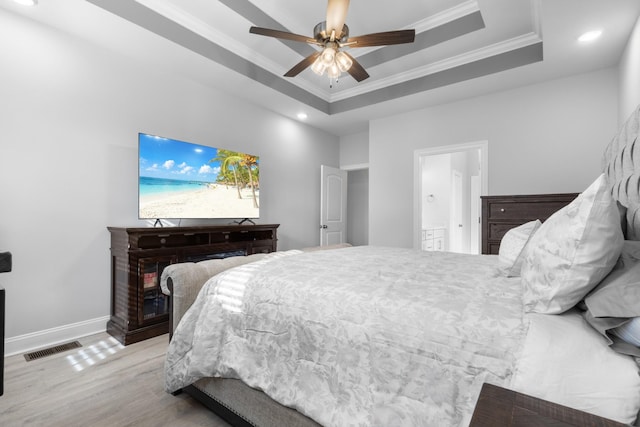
(184, 180)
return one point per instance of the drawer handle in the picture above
(502, 210)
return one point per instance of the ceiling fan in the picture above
(333, 35)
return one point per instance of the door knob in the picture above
(323, 226)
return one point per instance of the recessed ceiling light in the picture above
(590, 36)
(27, 2)
(302, 116)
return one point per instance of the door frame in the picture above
(483, 146)
(476, 212)
(455, 213)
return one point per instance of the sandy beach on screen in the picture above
(218, 201)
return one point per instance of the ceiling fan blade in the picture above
(302, 65)
(336, 15)
(356, 70)
(383, 39)
(280, 34)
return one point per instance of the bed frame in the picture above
(243, 406)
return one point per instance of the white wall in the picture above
(630, 75)
(544, 138)
(69, 117)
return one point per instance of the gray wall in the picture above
(354, 149)
(358, 207)
(544, 138)
(629, 75)
(354, 153)
(70, 113)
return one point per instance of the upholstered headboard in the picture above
(621, 164)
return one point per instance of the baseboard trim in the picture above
(48, 337)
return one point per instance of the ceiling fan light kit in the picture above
(333, 61)
(333, 35)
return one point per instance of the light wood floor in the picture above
(100, 384)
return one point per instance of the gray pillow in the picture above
(615, 303)
(629, 332)
(618, 295)
(607, 327)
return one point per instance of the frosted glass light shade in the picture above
(328, 56)
(318, 66)
(333, 71)
(343, 61)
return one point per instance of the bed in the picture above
(373, 336)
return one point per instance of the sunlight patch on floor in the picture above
(89, 356)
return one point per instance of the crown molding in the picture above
(205, 30)
(431, 22)
(201, 28)
(455, 61)
(446, 16)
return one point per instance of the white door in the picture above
(333, 206)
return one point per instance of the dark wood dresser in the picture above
(502, 213)
(499, 407)
(139, 309)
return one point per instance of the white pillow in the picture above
(512, 246)
(567, 362)
(572, 251)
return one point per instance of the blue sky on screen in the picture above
(171, 159)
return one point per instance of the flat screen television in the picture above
(178, 179)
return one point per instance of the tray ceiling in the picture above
(462, 48)
(451, 36)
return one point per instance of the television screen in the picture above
(179, 179)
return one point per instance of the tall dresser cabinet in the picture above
(139, 309)
(502, 213)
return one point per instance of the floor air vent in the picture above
(51, 350)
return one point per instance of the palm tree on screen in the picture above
(231, 163)
(251, 163)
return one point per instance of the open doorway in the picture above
(448, 183)
(357, 204)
